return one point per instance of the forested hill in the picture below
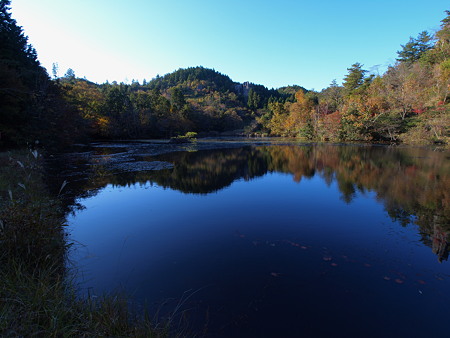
(193, 99)
(199, 81)
(194, 77)
(409, 103)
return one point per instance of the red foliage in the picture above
(410, 170)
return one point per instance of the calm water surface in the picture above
(270, 240)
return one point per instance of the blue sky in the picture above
(274, 43)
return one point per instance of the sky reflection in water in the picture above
(276, 241)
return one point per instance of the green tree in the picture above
(177, 98)
(441, 50)
(119, 108)
(31, 106)
(415, 48)
(70, 74)
(355, 78)
(254, 99)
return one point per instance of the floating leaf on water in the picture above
(238, 234)
(386, 278)
(402, 275)
(333, 264)
(292, 243)
(62, 186)
(421, 282)
(304, 247)
(275, 274)
(399, 281)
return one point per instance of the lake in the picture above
(242, 239)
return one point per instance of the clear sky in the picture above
(274, 43)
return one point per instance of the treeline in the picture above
(408, 103)
(31, 105)
(193, 99)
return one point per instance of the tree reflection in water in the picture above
(413, 183)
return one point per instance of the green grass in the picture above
(36, 297)
(38, 303)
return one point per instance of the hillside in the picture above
(409, 103)
(193, 99)
(196, 78)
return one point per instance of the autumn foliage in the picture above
(408, 103)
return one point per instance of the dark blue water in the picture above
(276, 241)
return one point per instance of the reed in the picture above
(36, 296)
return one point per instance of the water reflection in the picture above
(284, 234)
(413, 183)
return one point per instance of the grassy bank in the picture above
(36, 298)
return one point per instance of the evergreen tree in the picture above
(20, 75)
(443, 36)
(355, 78)
(70, 74)
(415, 48)
(254, 99)
(177, 98)
(31, 107)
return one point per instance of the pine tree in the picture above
(443, 35)
(355, 78)
(20, 73)
(31, 107)
(415, 48)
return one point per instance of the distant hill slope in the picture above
(194, 76)
(197, 82)
(194, 99)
